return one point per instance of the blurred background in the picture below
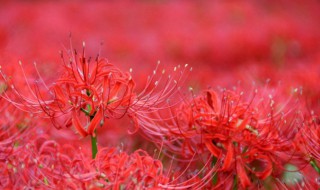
(226, 42)
(212, 36)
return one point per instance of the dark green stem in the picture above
(94, 147)
(235, 183)
(215, 176)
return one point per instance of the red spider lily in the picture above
(249, 137)
(95, 89)
(99, 90)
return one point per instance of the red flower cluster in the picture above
(118, 129)
(243, 141)
(245, 137)
(46, 164)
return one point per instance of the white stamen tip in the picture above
(272, 103)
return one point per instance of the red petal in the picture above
(58, 93)
(213, 149)
(242, 175)
(212, 100)
(115, 90)
(228, 158)
(95, 122)
(105, 87)
(77, 125)
(135, 124)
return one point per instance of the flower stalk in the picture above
(94, 147)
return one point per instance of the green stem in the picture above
(315, 166)
(215, 176)
(235, 183)
(94, 147)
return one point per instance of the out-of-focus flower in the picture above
(46, 164)
(120, 170)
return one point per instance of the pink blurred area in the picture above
(210, 35)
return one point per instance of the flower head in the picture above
(96, 89)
